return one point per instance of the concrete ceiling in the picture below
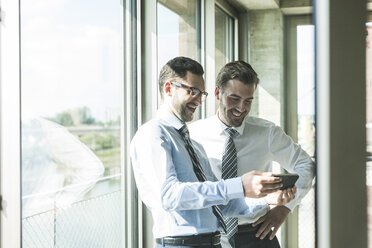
(259, 4)
(285, 5)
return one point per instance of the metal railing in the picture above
(91, 223)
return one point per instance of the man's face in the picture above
(235, 102)
(183, 104)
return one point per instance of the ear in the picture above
(167, 88)
(217, 92)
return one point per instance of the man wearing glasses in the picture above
(258, 143)
(188, 204)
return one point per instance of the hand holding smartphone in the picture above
(288, 180)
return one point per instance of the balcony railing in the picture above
(94, 222)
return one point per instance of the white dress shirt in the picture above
(179, 203)
(258, 144)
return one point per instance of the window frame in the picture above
(10, 125)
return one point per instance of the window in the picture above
(178, 30)
(306, 125)
(300, 117)
(71, 111)
(224, 39)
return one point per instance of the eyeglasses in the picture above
(195, 92)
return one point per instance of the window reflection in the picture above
(178, 30)
(71, 71)
(224, 38)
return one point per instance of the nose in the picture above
(240, 106)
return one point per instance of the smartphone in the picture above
(288, 180)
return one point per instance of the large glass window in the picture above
(71, 94)
(224, 39)
(300, 122)
(178, 30)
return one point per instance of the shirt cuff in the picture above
(256, 201)
(234, 188)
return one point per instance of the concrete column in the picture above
(266, 58)
(341, 123)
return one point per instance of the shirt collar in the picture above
(169, 118)
(222, 126)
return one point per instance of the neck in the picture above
(221, 119)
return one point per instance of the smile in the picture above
(236, 113)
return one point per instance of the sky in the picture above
(71, 58)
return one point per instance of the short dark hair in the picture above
(177, 68)
(237, 70)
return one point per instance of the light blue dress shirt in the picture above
(179, 203)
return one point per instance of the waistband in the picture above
(192, 240)
(247, 228)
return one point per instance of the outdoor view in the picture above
(306, 126)
(71, 94)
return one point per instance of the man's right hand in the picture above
(259, 184)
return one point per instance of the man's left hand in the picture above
(273, 219)
(281, 197)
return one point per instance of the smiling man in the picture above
(174, 179)
(257, 144)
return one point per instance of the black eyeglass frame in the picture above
(193, 91)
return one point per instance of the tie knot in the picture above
(230, 132)
(184, 131)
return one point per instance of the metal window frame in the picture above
(131, 103)
(10, 121)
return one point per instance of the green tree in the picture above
(64, 118)
(85, 116)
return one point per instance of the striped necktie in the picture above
(198, 170)
(230, 170)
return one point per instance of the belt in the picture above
(192, 240)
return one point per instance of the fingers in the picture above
(275, 230)
(259, 221)
(294, 189)
(268, 188)
(264, 190)
(282, 198)
(264, 230)
(260, 184)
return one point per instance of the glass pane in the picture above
(178, 30)
(306, 125)
(369, 128)
(224, 39)
(71, 94)
(178, 27)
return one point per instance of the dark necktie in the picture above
(230, 170)
(198, 170)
